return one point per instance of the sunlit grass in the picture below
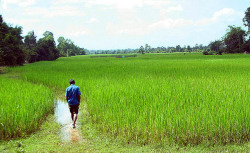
(23, 106)
(189, 99)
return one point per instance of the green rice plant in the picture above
(167, 98)
(23, 106)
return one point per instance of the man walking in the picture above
(73, 96)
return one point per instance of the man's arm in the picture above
(79, 98)
(79, 95)
(66, 95)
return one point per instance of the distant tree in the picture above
(30, 47)
(11, 51)
(163, 49)
(62, 46)
(142, 50)
(234, 39)
(158, 50)
(46, 48)
(189, 48)
(178, 48)
(201, 47)
(246, 46)
(67, 47)
(246, 19)
(147, 48)
(82, 51)
(30, 40)
(48, 35)
(215, 45)
(172, 50)
(196, 47)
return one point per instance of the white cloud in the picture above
(225, 12)
(127, 27)
(22, 22)
(127, 4)
(139, 27)
(54, 11)
(64, 11)
(170, 23)
(63, 2)
(27, 24)
(120, 4)
(93, 20)
(135, 26)
(73, 30)
(157, 3)
(171, 9)
(21, 3)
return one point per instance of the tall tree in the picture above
(142, 50)
(30, 47)
(189, 48)
(11, 52)
(46, 48)
(178, 48)
(217, 46)
(48, 34)
(30, 40)
(147, 48)
(67, 47)
(246, 19)
(234, 39)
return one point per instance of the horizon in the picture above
(111, 24)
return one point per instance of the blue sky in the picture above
(121, 24)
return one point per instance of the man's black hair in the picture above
(72, 81)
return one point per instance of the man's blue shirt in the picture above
(72, 93)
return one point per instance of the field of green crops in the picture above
(23, 106)
(168, 98)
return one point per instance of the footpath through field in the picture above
(63, 117)
(57, 135)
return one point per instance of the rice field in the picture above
(23, 106)
(168, 98)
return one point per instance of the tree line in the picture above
(16, 49)
(148, 49)
(236, 40)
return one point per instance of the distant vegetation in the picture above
(236, 40)
(11, 52)
(41, 50)
(16, 50)
(67, 48)
(148, 49)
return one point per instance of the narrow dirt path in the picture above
(57, 135)
(63, 117)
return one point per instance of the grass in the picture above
(47, 139)
(23, 107)
(158, 99)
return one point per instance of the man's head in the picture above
(71, 81)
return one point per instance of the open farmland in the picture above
(23, 107)
(166, 99)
